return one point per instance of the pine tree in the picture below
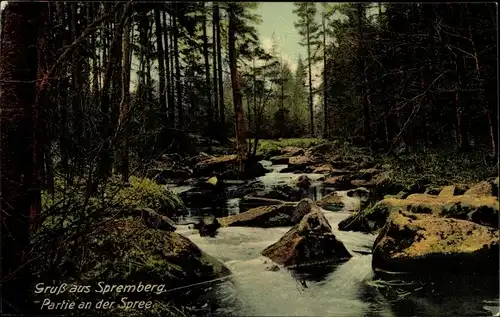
(309, 31)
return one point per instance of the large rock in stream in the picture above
(279, 215)
(471, 206)
(331, 202)
(227, 166)
(308, 243)
(428, 245)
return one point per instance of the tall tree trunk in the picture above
(362, 71)
(178, 87)
(63, 88)
(170, 94)
(18, 71)
(222, 110)
(125, 102)
(207, 74)
(161, 62)
(114, 61)
(41, 112)
(325, 78)
(172, 71)
(214, 63)
(235, 83)
(309, 60)
(95, 59)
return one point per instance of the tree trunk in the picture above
(170, 94)
(325, 86)
(95, 58)
(362, 71)
(172, 71)
(161, 62)
(178, 88)
(235, 83)
(125, 101)
(309, 57)
(214, 63)
(115, 57)
(18, 71)
(222, 110)
(207, 74)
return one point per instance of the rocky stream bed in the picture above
(260, 287)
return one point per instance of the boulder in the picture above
(308, 242)
(301, 162)
(447, 191)
(227, 166)
(281, 215)
(126, 251)
(303, 182)
(482, 210)
(281, 159)
(253, 201)
(430, 245)
(292, 151)
(339, 182)
(323, 169)
(331, 202)
(321, 149)
(483, 188)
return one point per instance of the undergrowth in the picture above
(273, 147)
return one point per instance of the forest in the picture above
(122, 122)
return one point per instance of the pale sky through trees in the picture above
(278, 18)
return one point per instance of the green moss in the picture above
(142, 193)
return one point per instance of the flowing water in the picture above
(347, 289)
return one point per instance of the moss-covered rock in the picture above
(146, 193)
(331, 202)
(483, 188)
(308, 242)
(265, 216)
(112, 198)
(427, 244)
(127, 252)
(447, 191)
(480, 209)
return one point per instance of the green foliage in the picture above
(443, 168)
(142, 192)
(270, 147)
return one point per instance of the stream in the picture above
(347, 289)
